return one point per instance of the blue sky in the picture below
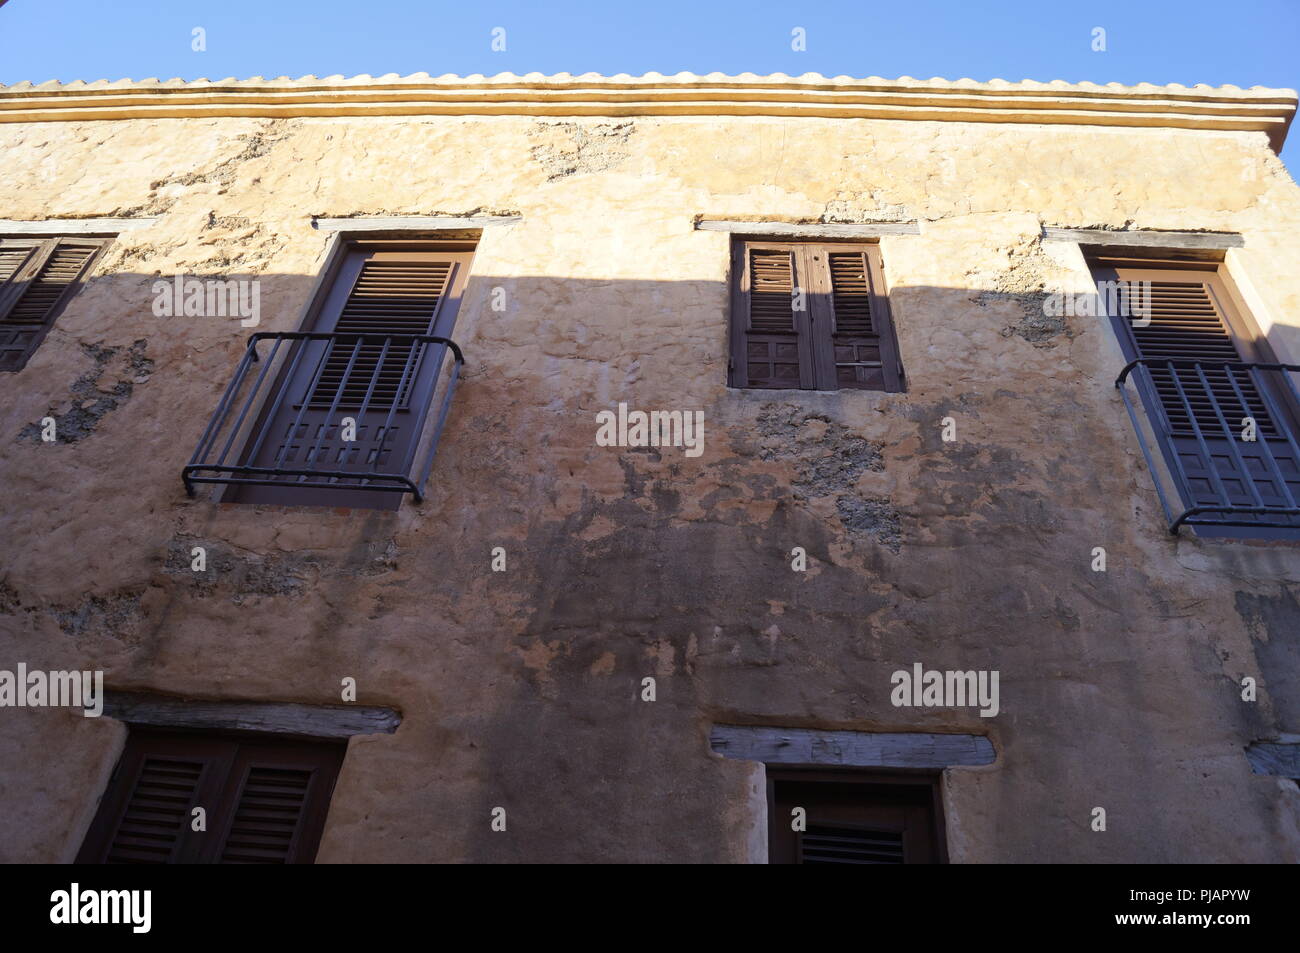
(1243, 42)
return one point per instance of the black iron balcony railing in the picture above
(1225, 433)
(328, 411)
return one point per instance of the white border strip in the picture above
(73, 226)
(856, 749)
(283, 718)
(793, 230)
(1145, 239)
(381, 223)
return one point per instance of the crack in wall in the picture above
(1272, 621)
(241, 573)
(869, 205)
(118, 615)
(874, 517)
(830, 459)
(1024, 283)
(829, 455)
(90, 402)
(256, 145)
(573, 148)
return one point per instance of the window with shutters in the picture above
(264, 800)
(813, 316)
(336, 414)
(1221, 410)
(37, 278)
(839, 817)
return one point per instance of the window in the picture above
(812, 316)
(853, 818)
(333, 415)
(37, 278)
(265, 800)
(1222, 411)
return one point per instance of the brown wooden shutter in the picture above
(376, 290)
(146, 813)
(278, 811)
(265, 801)
(1193, 317)
(862, 818)
(1187, 321)
(38, 279)
(841, 338)
(846, 843)
(770, 339)
(396, 297)
(863, 354)
(153, 826)
(13, 255)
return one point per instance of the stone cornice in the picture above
(1226, 108)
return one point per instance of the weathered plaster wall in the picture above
(520, 689)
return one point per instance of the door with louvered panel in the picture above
(811, 316)
(1201, 412)
(852, 819)
(383, 384)
(265, 801)
(37, 278)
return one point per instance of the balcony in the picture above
(1220, 440)
(328, 418)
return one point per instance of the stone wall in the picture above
(521, 689)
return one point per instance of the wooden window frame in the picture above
(927, 786)
(12, 289)
(814, 326)
(347, 243)
(1242, 331)
(1249, 340)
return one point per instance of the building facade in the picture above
(421, 584)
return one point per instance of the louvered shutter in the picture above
(1189, 314)
(835, 334)
(389, 297)
(145, 816)
(13, 255)
(851, 819)
(38, 280)
(375, 292)
(158, 813)
(1186, 322)
(280, 804)
(264, 801)
(771, 341)
(845, 844)
(862, 350)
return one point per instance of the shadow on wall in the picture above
(624, 559)
(551, 352)
(655, 339)
(1285, 342)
